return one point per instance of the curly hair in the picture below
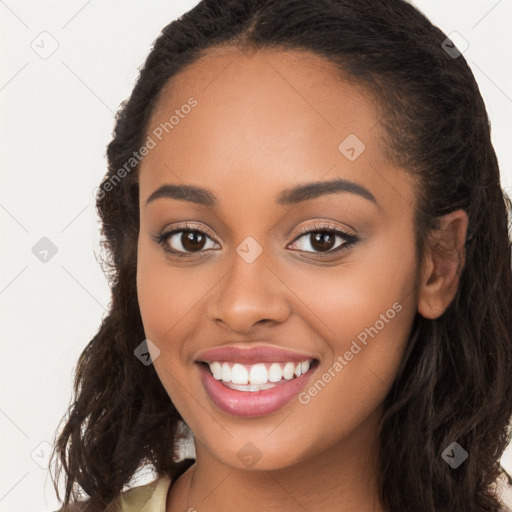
(455, 380)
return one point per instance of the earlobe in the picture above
(443, 261)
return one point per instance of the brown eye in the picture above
(185, 242)
(192, 240)
(324, 241)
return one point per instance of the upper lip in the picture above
(250, 355)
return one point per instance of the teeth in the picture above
(303, 367)
(239, 374)
(257, 376)
(216, 369)
(288, 371)
(226, 372)
(275, 374)
(250, 387)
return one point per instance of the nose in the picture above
(249, 295)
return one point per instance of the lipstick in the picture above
(256, 381)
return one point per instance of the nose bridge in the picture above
(250, 292)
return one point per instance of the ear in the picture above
(443, 261)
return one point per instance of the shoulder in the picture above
(150, 497)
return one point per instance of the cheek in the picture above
(369, 296)
(168, 297)
(352, 384)
(365, 311)
(164, 300)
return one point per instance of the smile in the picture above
(256, 381)
(257, 377)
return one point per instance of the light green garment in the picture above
(149, 497)
(146, 498)
(152, 497)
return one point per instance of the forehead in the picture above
(262, 121)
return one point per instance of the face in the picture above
(278, 273)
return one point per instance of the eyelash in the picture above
(350, 239)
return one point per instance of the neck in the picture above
(343, 478)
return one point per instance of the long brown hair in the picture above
(455, 381)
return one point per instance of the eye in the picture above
(188, 240)
(322, 240)
(185, 241)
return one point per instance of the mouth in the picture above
(257, 389)
(259, 376)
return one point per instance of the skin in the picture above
(264, 123)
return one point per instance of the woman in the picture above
(310, 268)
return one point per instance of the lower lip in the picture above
(252, 403)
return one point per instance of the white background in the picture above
(56, 120)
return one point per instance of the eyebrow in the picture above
(298, 194)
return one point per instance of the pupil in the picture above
(322, 241)
(191, 240)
